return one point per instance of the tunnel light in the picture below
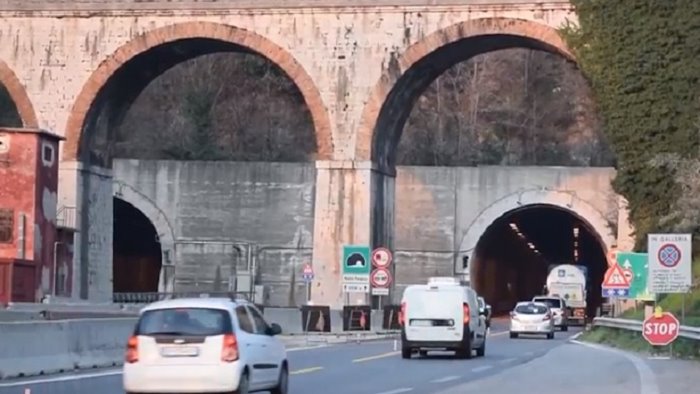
(521, 235)
(536, 251)
(575, 232)
(531, 245)
(514, 226)
(575, 244)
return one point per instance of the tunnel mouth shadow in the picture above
(520, 249)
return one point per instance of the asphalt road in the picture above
(377, 368)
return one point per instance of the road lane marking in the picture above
(63, 378)
(495, 334)
(508, 360)
(377, 357)
(397, 391)
(305, 370)
(481, 368)
(647, 377)
(445, 379)
(296, 349)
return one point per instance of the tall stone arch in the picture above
(163, 226)
(189, 30)
(18, 94)
(404, 66)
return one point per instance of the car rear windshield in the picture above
(184, 321)
(552, 302)
(530, 309)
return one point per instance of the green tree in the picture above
(641, 58)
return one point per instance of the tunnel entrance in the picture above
(513, 257)
(136, 251)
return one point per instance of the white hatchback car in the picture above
(531, 318)
(205, 345)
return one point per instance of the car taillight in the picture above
(465, 311)
(402, 314)
(132, 350)
(229, 353)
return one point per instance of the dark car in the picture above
(485, 309)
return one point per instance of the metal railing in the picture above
(687, 332)
(146, 298)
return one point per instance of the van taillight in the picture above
(402, 314)
(465, 309)
(229, 353)
(132, 350)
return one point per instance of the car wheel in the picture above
(282, 383)
(405, 352)
(550, 335)
(513, 335)
(565, 328)
(243, 385)
(481, 350)
(423, 353)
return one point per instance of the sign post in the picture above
(670, 269)
(661, 328)
(356, 268)
(308, 275)
(381, 277)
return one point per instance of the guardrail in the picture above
(687, 332)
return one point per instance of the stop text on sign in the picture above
(660, 328)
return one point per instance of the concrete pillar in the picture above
(353, 206)
(89, 191)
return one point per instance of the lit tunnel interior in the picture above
(513, 257)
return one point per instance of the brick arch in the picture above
(225, 33)
(19, 96)
(546, 37)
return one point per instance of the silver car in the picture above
(559, 311)
(531, 318)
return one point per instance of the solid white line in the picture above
(508, 360)
(296, 349)
(647, 378)
(63, 378)
(397, 391)
(481, 368)
(445, 379)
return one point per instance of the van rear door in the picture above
(434, 313)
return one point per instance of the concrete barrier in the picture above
(29, 348)
(45, 347)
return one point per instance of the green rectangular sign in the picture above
(637, 263)
(356, 260)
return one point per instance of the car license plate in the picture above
(531, 328)
(179, 351)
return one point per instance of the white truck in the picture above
(569, 282)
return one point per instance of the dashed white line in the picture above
(445, 379)
(481, 368)
(508, 360)
(397, 391)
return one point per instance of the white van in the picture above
(442, 314)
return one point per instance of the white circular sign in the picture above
(381, 257)
(381, 277)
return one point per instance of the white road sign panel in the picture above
(670, 269)
(380, 291)
(380, 277)
(356, 287)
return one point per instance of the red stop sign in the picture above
(660, 331)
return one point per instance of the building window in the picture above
(47, 155)
(7, 224)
